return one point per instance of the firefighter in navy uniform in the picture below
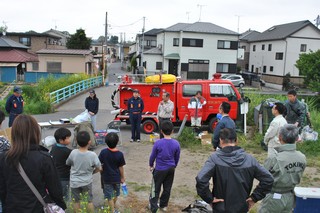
(135, 108)
(14, 104)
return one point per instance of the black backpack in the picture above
(198, 207)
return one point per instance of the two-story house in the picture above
(36, 41)
(274, 52)
(63, 35)
(145, 42)
(194, 51)
(243, 62)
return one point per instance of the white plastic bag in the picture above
(308, 134)
(49, 141)
(82, 117)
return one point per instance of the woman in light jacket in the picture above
(271, 138)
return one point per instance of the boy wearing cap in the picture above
(92, 105)
(135, 108)
(14, 104)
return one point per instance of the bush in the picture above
(187, 138)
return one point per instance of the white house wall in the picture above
(151, 62)
(209, 51)
(260, 58)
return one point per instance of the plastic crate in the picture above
(100, 136)
(307, 200)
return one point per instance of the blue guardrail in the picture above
(69, 91)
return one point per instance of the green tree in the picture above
(114, 40)
(309, 66)
(79, 40)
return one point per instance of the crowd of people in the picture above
(62, 172)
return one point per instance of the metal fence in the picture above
(69, 91)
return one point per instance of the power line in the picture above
(127, 25)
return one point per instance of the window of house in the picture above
(198, 69)
(190, 42)
(35, 66)
(53, 66)
(244, 47)
(148, 42)
(264, 69)
(262, 47)
(254, 48)
(153, 43)
(25, 41)
(279, 56)
(233, 45)
(96, 49)
(269, 47)
(303, 48)
(224, 67)
(189, 90)
(159, 65)
(271, 68)
(175, 41)
(252, 68)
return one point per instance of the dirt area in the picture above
(138, 178)
(183, 193)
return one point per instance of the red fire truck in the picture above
(214, 91)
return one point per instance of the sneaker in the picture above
(138, 140)
(164, 209)
(116, 211)
(131, 140)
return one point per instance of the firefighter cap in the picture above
(135, 91)
(17, 89)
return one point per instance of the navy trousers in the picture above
(135, 120)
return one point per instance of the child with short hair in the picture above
(112, 161)
(60, 153)
(166, 153)
(84, 164)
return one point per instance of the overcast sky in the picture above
(126, 15)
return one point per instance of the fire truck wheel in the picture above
(212, 124)
(149, 126)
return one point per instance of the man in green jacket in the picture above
(286, 166)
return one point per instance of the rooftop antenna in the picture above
(188, 15)
(317, 20)
(55, 24)
(238, 22)
(200, 5)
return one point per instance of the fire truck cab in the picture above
(214, 91)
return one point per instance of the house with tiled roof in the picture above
(193, 51)
(37, 41)
(65, 61)
(15, 60)
(274, 52)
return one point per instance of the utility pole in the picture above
(105, 52)
(142, 48)
(200, 5)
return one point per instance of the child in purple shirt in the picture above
(166, 153)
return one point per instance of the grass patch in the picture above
(136, 187)
(36, 96)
